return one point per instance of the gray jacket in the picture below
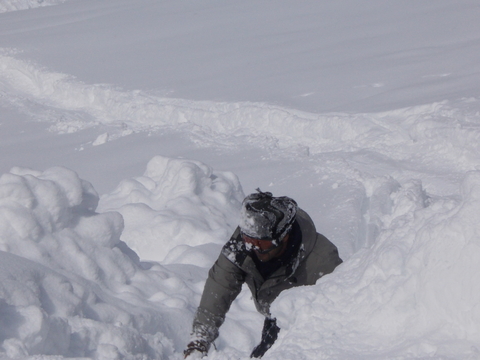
(316, 257)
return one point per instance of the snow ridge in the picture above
(72, 105)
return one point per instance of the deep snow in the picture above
(146, 123)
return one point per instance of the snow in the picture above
(414, 289)
(130, 132)
(13, 5)
(177, 204)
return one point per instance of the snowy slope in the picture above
(369, 116)
(315, 56)
(14, 5)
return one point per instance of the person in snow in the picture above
(275, 247)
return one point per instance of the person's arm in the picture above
(223, 285)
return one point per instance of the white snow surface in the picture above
(130, 132)
(14, 5)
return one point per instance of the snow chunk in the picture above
(49, 217)
(101, 139)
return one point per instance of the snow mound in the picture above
(49, 217)
(70, 287)
(413, 294)
(14, 5)
(177, 204)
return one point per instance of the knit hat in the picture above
(266, 217)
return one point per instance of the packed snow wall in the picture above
(412, 294)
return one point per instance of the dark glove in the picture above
(197, 346)
(269, 335)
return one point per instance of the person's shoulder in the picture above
(308, 230)
(305, 221)
(234, 250)
(324, 243)
(312, 240)
(327, 252)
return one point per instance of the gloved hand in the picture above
(196, 350)
(269, 335)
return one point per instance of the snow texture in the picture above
(177, 204)
(13, 5)
(130, 132)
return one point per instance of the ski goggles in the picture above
(259, 245)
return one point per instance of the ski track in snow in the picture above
(450, 131)
(405, 275)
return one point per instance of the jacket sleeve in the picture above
(223, 285)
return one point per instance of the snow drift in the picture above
(447, 129)
(69, 286)
(176, 204)
(413, 294)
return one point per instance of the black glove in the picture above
(198, 346)
(269, 335)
